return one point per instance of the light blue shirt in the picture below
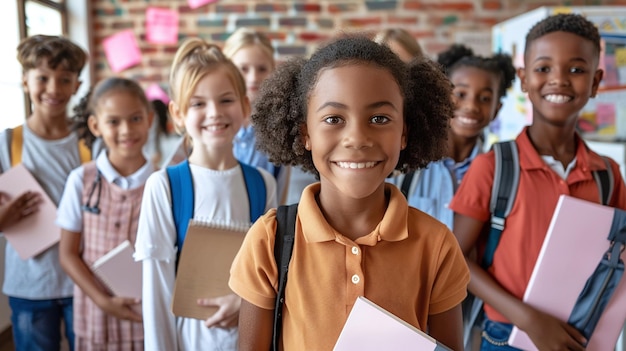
(244, 148)
(432, 188)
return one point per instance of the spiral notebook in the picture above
(575, 242)
(204, 266)
(370, 327)
(38, 232)
(119, 272)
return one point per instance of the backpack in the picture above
(503, 193)
(181, 192)
(15, 138)
(283, 247)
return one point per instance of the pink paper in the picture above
(605, 115)
(121, 50)
(194, 4)
(161, 26)
(573, 247)
(154, 92)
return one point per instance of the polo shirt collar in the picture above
(393, 226)
(530, 158)
(112, 176)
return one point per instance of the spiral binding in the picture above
(220, 224)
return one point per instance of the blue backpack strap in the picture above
(255, 187)
(503, 193)
(181, 192)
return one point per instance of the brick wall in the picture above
(297, 26)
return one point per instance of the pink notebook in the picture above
(575, 243)
(369, 327)
(119, 272)
(38, 232)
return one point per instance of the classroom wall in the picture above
(297, 26)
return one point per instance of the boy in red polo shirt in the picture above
(560, 75)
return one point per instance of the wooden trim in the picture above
(6, 336)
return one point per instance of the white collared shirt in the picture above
(69, 212)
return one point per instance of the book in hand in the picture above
(119, 271)
(370, 327)
(204, 266)
(574, 244)
(36, 233)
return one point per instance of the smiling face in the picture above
(255, 65)
(560, 76)
(123, 121)
(216, 111)
(355, 129)
(50, 89)
(476, 100)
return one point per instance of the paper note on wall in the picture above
(161, 26)
(605, 118)
(154, 92)
(194, 4)
(121, 50)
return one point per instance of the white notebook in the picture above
(370, 327)
(119, 272)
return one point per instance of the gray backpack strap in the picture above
(503, 193)
(605, 181)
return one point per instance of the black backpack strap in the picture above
(283, 247)
(605, 181)
(503, 193)
(405, 187)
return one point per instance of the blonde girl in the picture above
(100, 209)
(252, 52)
(209, 104)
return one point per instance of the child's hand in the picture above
(121, 307)
(227, 315)
(549, 333)
(13, 211)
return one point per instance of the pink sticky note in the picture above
(161, 26)
(121, 50)
(194, 4)
(605, 115)
(154, 92)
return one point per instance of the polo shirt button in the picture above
(355, 250)
(356, 279)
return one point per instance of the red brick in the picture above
(453, 6)
(309, 36)
(492, 5)
(362, 21)
(402, 20)
(413, 5)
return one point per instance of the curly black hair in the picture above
(570, 23)
(280, 111)
(88, 103)
(501, 65)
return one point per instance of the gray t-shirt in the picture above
(50, 162)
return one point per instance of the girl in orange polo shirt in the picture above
(352, 114)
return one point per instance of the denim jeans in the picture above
(37, 323)
(495, 336)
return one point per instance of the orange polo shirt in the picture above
(410, 264)
(537, 196)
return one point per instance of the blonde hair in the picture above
(244, 37)
(402, 37)
(193, 61)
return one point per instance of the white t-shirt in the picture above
(218, 196)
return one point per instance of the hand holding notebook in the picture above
(204, 266)
(119, 272)
(32, 235)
